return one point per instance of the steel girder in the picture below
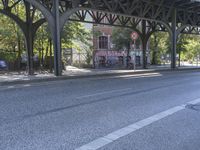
(98, 17)
(159, 16)
(66, 6)
(153, 10)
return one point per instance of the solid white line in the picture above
(102, 141)
(196, 101)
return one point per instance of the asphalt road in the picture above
(142, 112)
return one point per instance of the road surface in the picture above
(155, 111)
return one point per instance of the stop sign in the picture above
(134, 36)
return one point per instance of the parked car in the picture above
(3, 65)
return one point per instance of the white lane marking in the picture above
(11, 87)
(103, 141)
(140, 77)
(196, 101)
(137, 75)
(26, 85)
(97, 144)
(105, 92)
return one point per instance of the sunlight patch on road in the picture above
(135, 76)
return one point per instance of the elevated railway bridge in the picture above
(143, 16)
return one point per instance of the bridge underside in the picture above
(143, 16)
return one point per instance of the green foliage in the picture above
(188, 46)
(7, 56)
(121, 38)
(159, 46)
(10, 39)
(12, 44)
(191, 47)
(74, 34)
(181, 43)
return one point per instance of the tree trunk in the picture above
(29, 47)
(46, 54)
(42, 57)
(179, 59)
(19, 50)
(128, 54)
(29, 39)
(51, 59)
(154, 57)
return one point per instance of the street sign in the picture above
(134, 36)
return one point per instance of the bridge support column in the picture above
(29, 47)
(144, 40)
(57, 39)
(173, 40)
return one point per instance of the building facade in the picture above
(105, 54)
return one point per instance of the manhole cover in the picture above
(193, 107)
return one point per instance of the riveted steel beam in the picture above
(158, 15)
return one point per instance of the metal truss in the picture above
(191, 30)
(143, 16)
(96, 17)
(159, 11)
(154, 10)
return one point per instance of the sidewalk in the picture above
(73, 73)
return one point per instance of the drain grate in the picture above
(193, 107)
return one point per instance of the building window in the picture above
(103, 42)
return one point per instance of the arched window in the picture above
(103, 42)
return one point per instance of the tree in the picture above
(12, 44)
(191, 48)
(121, 38)
(76, 36)
(11, 41)
(28, 19)
(181, 46)
(159, 46)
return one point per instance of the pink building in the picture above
(104, 53)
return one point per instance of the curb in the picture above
(47, 79)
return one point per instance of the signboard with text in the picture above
(134, 36)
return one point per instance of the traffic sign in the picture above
(134, 36)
